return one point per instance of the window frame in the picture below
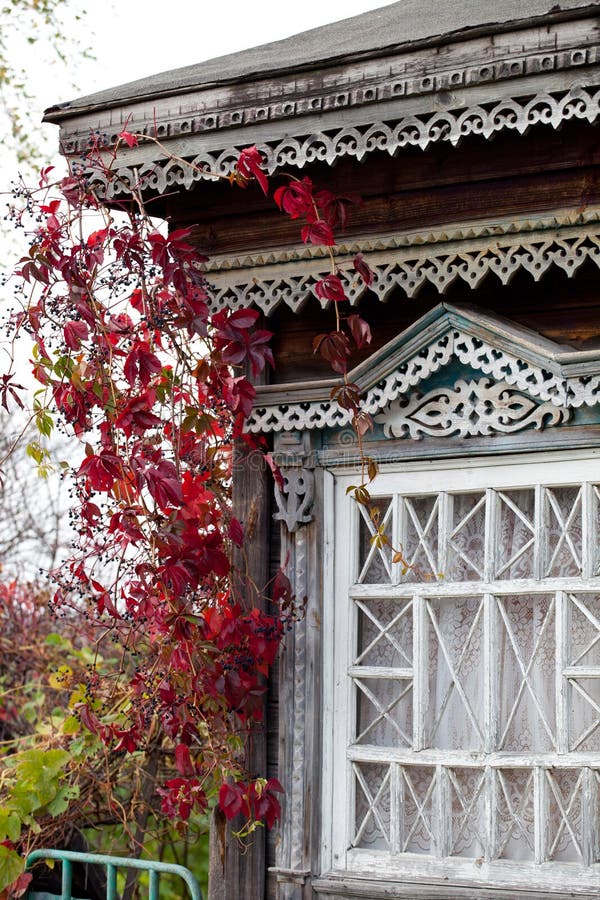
(341, 536)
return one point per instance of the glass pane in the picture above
(375, 558)
(584, 626)
(384, 711)
(455, 717)
(563, 509)
(384, 633)
(564, 819)
(526, 673)
(417, 795)
(467, 798)
(515, 541)
(421, 537)
(466, 551)
(515, 814)
(372, 810)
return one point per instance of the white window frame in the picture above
(340, 556)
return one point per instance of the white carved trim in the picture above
(460, 232)
(476, 407)
(510, 354)
(295, 499)
(410, 268)
(420, 74)
(482, 118)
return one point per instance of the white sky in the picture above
(137, 38)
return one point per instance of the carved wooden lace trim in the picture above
(411, 268)
(469, 408)
(507, 369)
(484, 119)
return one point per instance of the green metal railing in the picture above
(111, 864)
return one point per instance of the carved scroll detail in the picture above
(411, 269)
(485, 120)
(294, 501)
(476, 407)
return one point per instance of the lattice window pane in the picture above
(515, 541)
(475, 702)
(417, 805)
(375, 558)
(526, 679)
(372, 813)
(583, 671)
(565, 836)
(563, 512)
(384, 711)
(421, 517)
(515, 814)
(466, 541)
(467, 804)
(455, 709)
(385, 633)
(584, 626)
(584, 724)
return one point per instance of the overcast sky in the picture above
(135, 38)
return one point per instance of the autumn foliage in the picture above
(132, 358)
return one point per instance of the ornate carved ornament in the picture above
(476, 407)
(389, 134)
(425, 75)
(409, 262)
(513, 356)
(295, 499)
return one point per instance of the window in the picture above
(463, 685)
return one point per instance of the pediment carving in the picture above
(469, 408)
(532, 382)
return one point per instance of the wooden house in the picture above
(436, 725)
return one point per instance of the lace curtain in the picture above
(522, 667)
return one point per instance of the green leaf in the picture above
(61, 802)
(10, 825)
(11, 866)
(71, 725)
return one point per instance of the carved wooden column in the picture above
(299, 680)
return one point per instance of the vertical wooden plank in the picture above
(420, 672)
(397, 534)
(491, 668)
(328, 629)
(445, 503)
(443, 812)
(491, 814)
(562, 687)
(396, 808)
(540, 524)
(541, 813)
(589, 817)
(492, 514)
(237, 871)
(589, 544)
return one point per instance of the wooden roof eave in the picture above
(407, 97)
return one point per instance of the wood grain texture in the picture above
(237, 872)
(539, 171)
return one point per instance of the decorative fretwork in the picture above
(295, 498)
(470, 408)
(528, 386)
(452, 125)
(439, 264)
